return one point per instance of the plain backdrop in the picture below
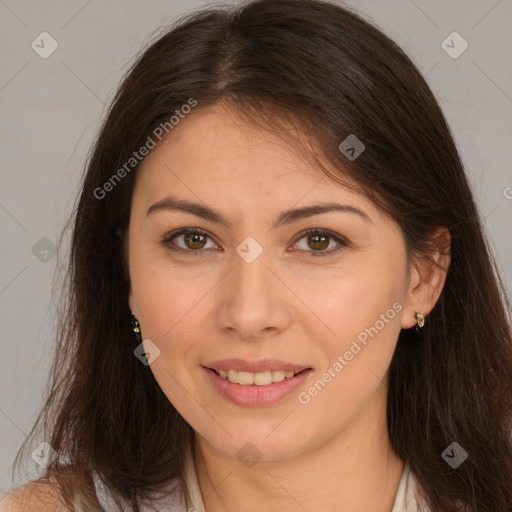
(51, 109)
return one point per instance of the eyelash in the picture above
(200, 252)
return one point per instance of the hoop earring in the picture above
(420, 319)
(135, 326)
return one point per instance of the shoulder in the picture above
(32, 496)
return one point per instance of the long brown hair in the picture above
(334, 74)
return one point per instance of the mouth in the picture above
(255, 384)
(263, 378)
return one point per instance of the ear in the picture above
(427, 279)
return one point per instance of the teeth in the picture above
(258, 378)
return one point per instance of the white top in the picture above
(405, 499)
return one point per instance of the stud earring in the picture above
(135, 326)
(420, 319)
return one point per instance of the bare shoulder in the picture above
(32, 496)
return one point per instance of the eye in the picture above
(194, 242)
(319, 239)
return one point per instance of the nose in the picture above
(254, 302)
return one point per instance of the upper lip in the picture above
(242, 365)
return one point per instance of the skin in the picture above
(32, 496)
(333, 453)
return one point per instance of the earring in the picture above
(135, 326)
(420, 319)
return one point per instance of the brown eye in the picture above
(194, 240)
(190, 241)
(317, 241)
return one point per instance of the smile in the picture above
(251, 378)
(256, 389)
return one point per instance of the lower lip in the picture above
(256, 396)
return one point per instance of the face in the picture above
(301, 311)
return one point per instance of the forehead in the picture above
(216, 135)
(218, 158)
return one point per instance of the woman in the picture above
(280, 294)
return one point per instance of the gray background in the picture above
(51, 109)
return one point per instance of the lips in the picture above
(253, 395)
(255, 383)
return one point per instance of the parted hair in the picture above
(327, 69)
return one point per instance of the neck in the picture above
(356, 469)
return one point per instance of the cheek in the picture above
(362, 309)
(166, 294)
(357, 299)
(355, 359)
(169, 316)
(168, 311)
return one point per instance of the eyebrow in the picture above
(286, 217)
